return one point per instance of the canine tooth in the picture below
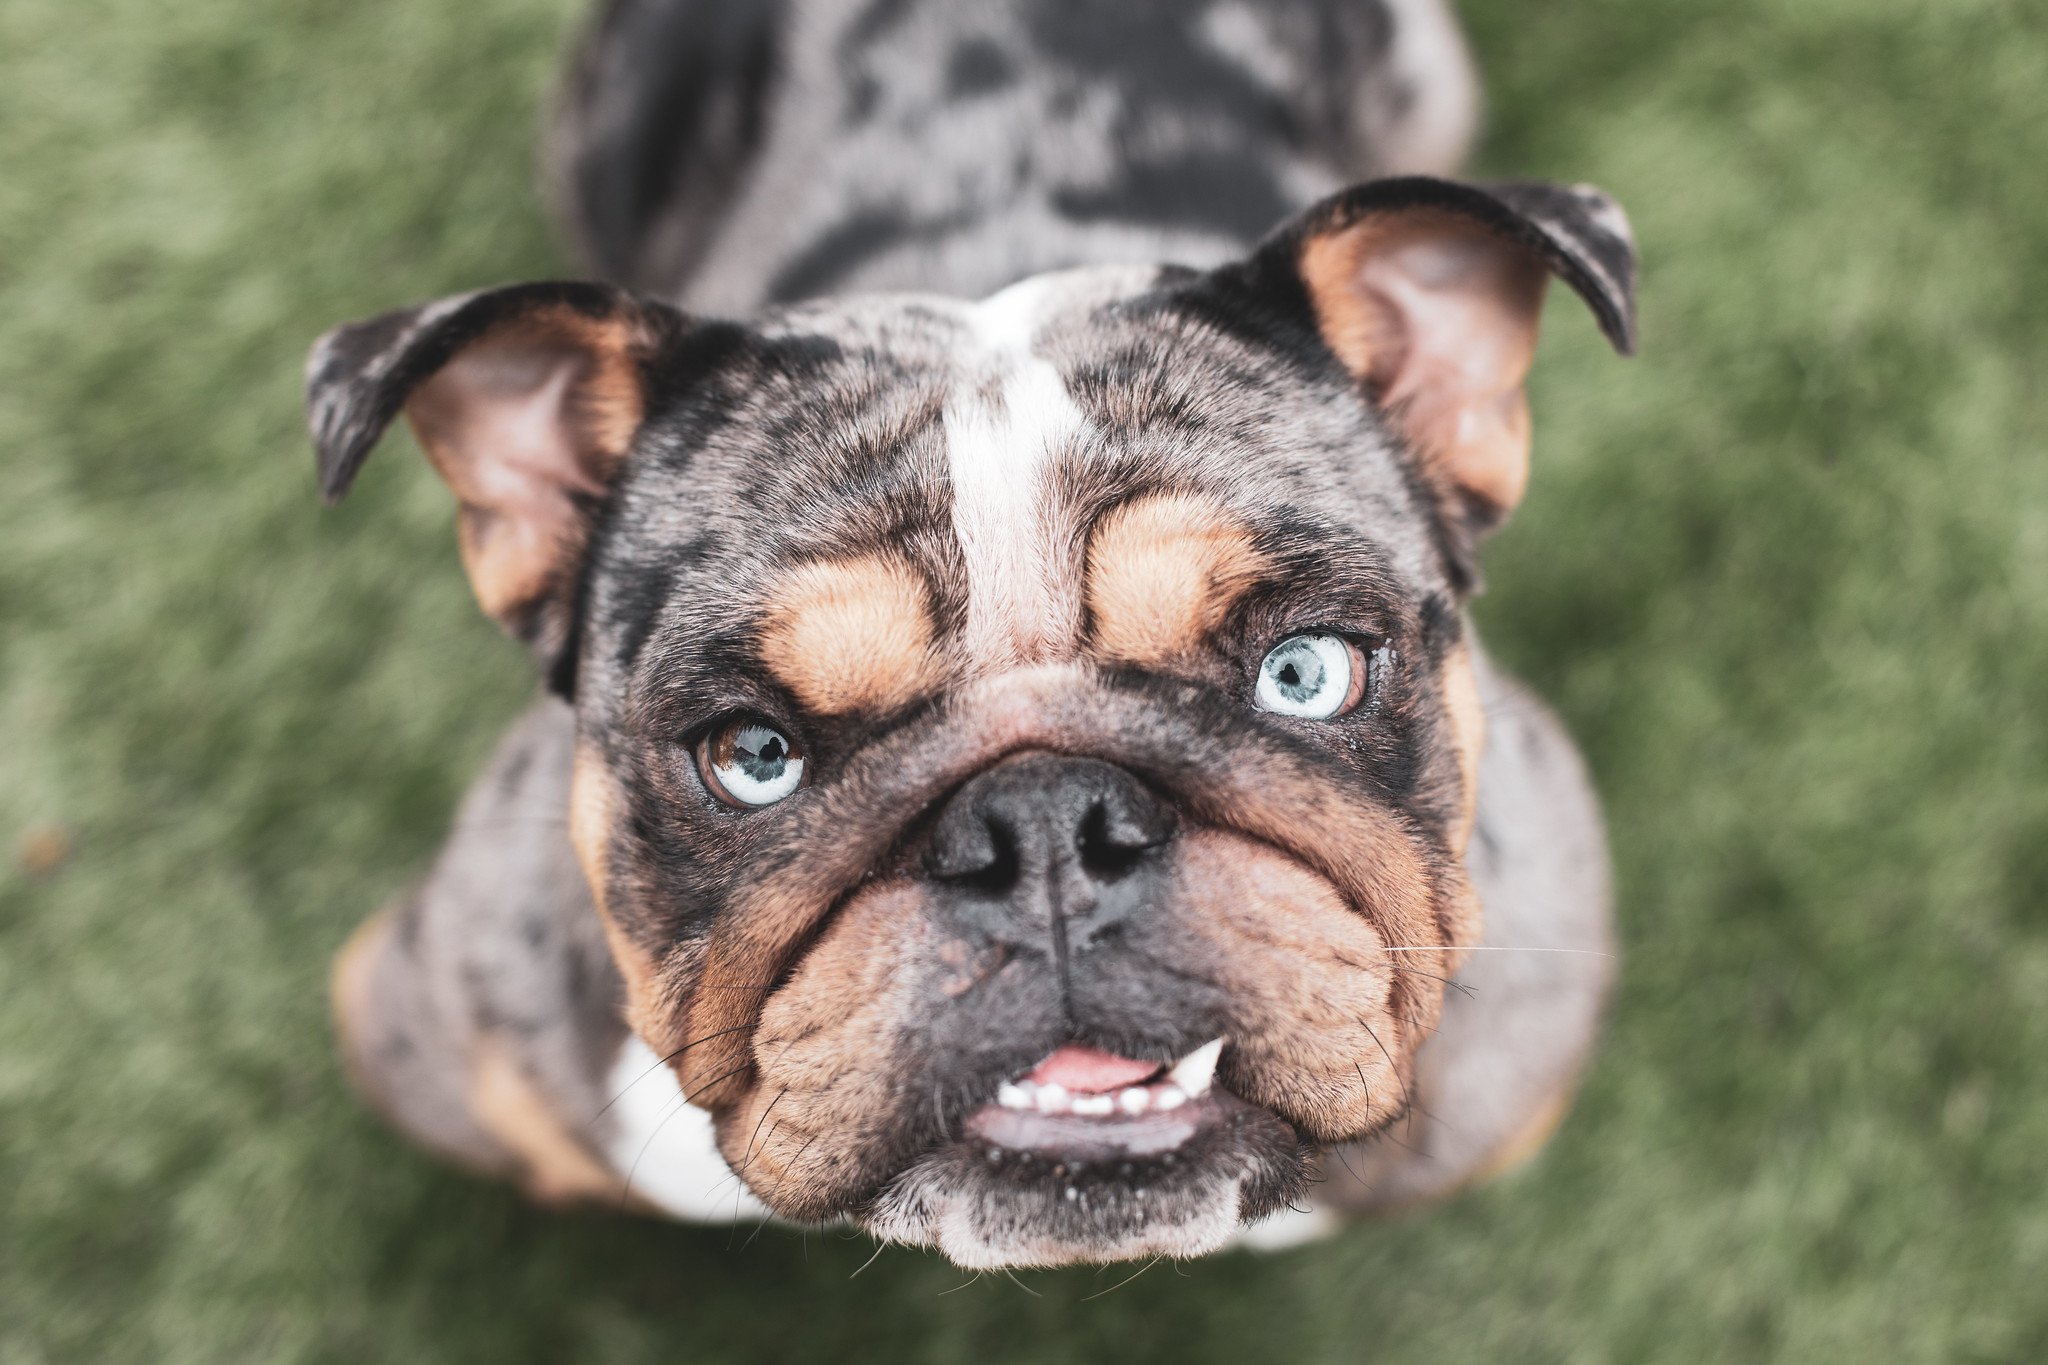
(1169, 1097)
(1193, 1072)
(1051, 1098)
(1135, 1100)
(1094, 1106)
(1012, 1096)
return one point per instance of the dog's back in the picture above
(741, 153)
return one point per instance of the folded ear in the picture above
(1430, 293)
(526, 399)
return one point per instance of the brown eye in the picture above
(748, 762)
(1313, 676)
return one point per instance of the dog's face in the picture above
(1026, 746)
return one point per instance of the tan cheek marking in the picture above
(554, 1167)
(593, 798)
(851, 635)
(1358, 845)
(1316, 998)
(1468, 732)
(1162, 571)
(824, 1048)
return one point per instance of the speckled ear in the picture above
(526, 399)
(1430, 293)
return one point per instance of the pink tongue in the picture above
(1087, 1070)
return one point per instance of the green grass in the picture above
(1786, 575)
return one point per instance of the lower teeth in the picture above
(1130, 1101)
(1188, 1079)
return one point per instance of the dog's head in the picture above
(1026, 747)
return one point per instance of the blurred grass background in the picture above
(1786, 575)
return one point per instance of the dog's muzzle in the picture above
(1048, 853)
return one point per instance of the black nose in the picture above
(1044, 848)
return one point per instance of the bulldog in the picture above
(1015, 772)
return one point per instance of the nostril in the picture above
(976, 853)
(1046, 834)
(1133, 820)
(1113, 838)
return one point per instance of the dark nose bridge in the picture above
(1048, 846)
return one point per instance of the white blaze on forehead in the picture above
(1008, 416)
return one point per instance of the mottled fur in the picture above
(1041, 538)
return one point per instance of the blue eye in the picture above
(1314, 677)
(748, 762)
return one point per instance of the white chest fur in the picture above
(663, 1148)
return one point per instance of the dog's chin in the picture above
(1025, 1189)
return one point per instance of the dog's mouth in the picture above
(1092, 1156)
(1082, 1103)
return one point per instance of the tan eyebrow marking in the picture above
(1162, 572)
(851, 634)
